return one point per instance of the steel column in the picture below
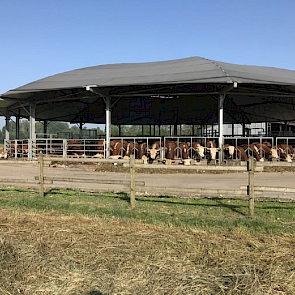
(119, 130)
(175, 130)
(220, 123)
(81, 130)
(45, 128)
(108, 125)
(17, 118)
(7, 127)
(32, 138)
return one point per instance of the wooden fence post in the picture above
(251, 170)
(132, 181)
(41, 174)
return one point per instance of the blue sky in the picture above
(41, 38)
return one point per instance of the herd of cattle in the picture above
(167, 151)
(195, 151)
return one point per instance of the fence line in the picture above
(71, 148)
(134, 186)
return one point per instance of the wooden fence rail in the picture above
(247, 192)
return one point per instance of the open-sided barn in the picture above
(185, 91)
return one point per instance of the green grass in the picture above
(202, 214)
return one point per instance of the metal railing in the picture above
(55, 147)
(190, 141)
(125, 149)
(67, 148)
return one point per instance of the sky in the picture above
(41, 38)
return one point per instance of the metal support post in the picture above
(32, 138)
(108, 125)
(175, 130)
(45, 125)
(220, 121)
(17, 118)
(81, 130)
(7, 127)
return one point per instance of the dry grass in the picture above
(55, 254)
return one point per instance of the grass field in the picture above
(72, 242)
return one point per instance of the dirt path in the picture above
(213, 181)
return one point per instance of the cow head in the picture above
(230, 149)
(288, 158)
(200, 150)
(153, 153)
(213, 151)
(274, 153)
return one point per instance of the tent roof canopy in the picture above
(183, 91)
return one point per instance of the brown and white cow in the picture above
(252, 150)
(185, 156)
(170, 151)
(267, 151)
(3, 154)
(235, 152)
(211, 150)
(75, 148)
(210, 144)
(229, 151)
(132, 149)
(199, 151)
(142, 150)
(154, 151)
(286, 152)
(118, 147)
(100, 149)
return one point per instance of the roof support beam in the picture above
(108, 123)
(220, 117)
(17, 119)
(220, 123)
(108, 126)
(32, 138)
(7, 125)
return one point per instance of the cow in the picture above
(229, 151)
(252, 150)
(144, 159)
(100, 149)
(75, 148)
(212, 151)
(268, 152)
(199, 151)
(170, 151)
(235, 152)
(142, 150)
(286, 152)
(184, 148)
(154, 152)
(118, 147)
(3, 154)
(132, 149)
(210, 144)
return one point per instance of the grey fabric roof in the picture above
(151, 92)
(188, 70)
